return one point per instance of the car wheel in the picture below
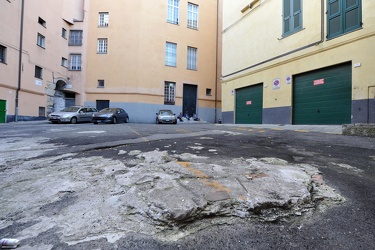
(95, 123)
(157, 121)
(114, 120)
(126, 119)
(175, 122)
(54, 122)
(73, 120)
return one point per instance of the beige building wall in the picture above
(36, 95)
(134, 70)
(254, 52)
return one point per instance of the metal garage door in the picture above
(323, 96)
(249, 105)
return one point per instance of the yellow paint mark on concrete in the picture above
(240, 129)
(261, 131)
(137, 133)
(250, 130)
(205, 179)
(277, 129)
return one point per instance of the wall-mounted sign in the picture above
(288, 80)
(38, 82)
(248, 102)
(232, 91)
(319, 81)
(276, 83)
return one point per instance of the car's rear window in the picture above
(71, 109)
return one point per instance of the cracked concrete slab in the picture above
(158, 193)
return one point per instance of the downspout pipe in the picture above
(290, 52)
(217, 54)
(19, 60)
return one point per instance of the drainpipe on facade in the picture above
(19, 61)
(217, 54)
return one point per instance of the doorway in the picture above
(189, 103)
(3, 112)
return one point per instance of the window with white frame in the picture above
(192, 58)
(171, 54)
(173, 11)
(41, 40)
(103, 19)
(102, 45)
(75, 38)
(192, 21)
(3, 54)
(75, 62)
(169, 93)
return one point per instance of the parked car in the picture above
(110, 115)
(166, 116)
(72, 114)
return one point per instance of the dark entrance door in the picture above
(102, 104)
(2, 111)
(189, 104)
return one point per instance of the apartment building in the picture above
(298, 62)
(144, 57)
(40, 66)
(131, 54)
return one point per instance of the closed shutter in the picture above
(249, 105)
(343, 16)
(292, 16)
(323, 96)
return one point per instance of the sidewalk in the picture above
(330, 129)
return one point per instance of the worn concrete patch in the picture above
(158, 193)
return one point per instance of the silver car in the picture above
(72, 114)
(166, 116)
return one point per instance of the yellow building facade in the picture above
(130, 54)
(144, 57)
(298, 62)
(35, 76)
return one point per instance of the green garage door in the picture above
(249, 105)
(323, 96)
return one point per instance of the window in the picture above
(40, 40)
(343, 16)
(292, 16)
(41, 22)
(192, 58)
(75, 62)
(75, 38)
(208, 92)
(170, 54)
(42, 111)
(3, 54)
(102, 45)
(169, 93)
(100, 83)
(63, 33)
(173, 11)
(103, 19)
(64, 62)
(38, 72)
(192, 21)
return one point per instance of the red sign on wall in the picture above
(319, 81)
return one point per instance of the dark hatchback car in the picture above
(166, 116)
(110, 115)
